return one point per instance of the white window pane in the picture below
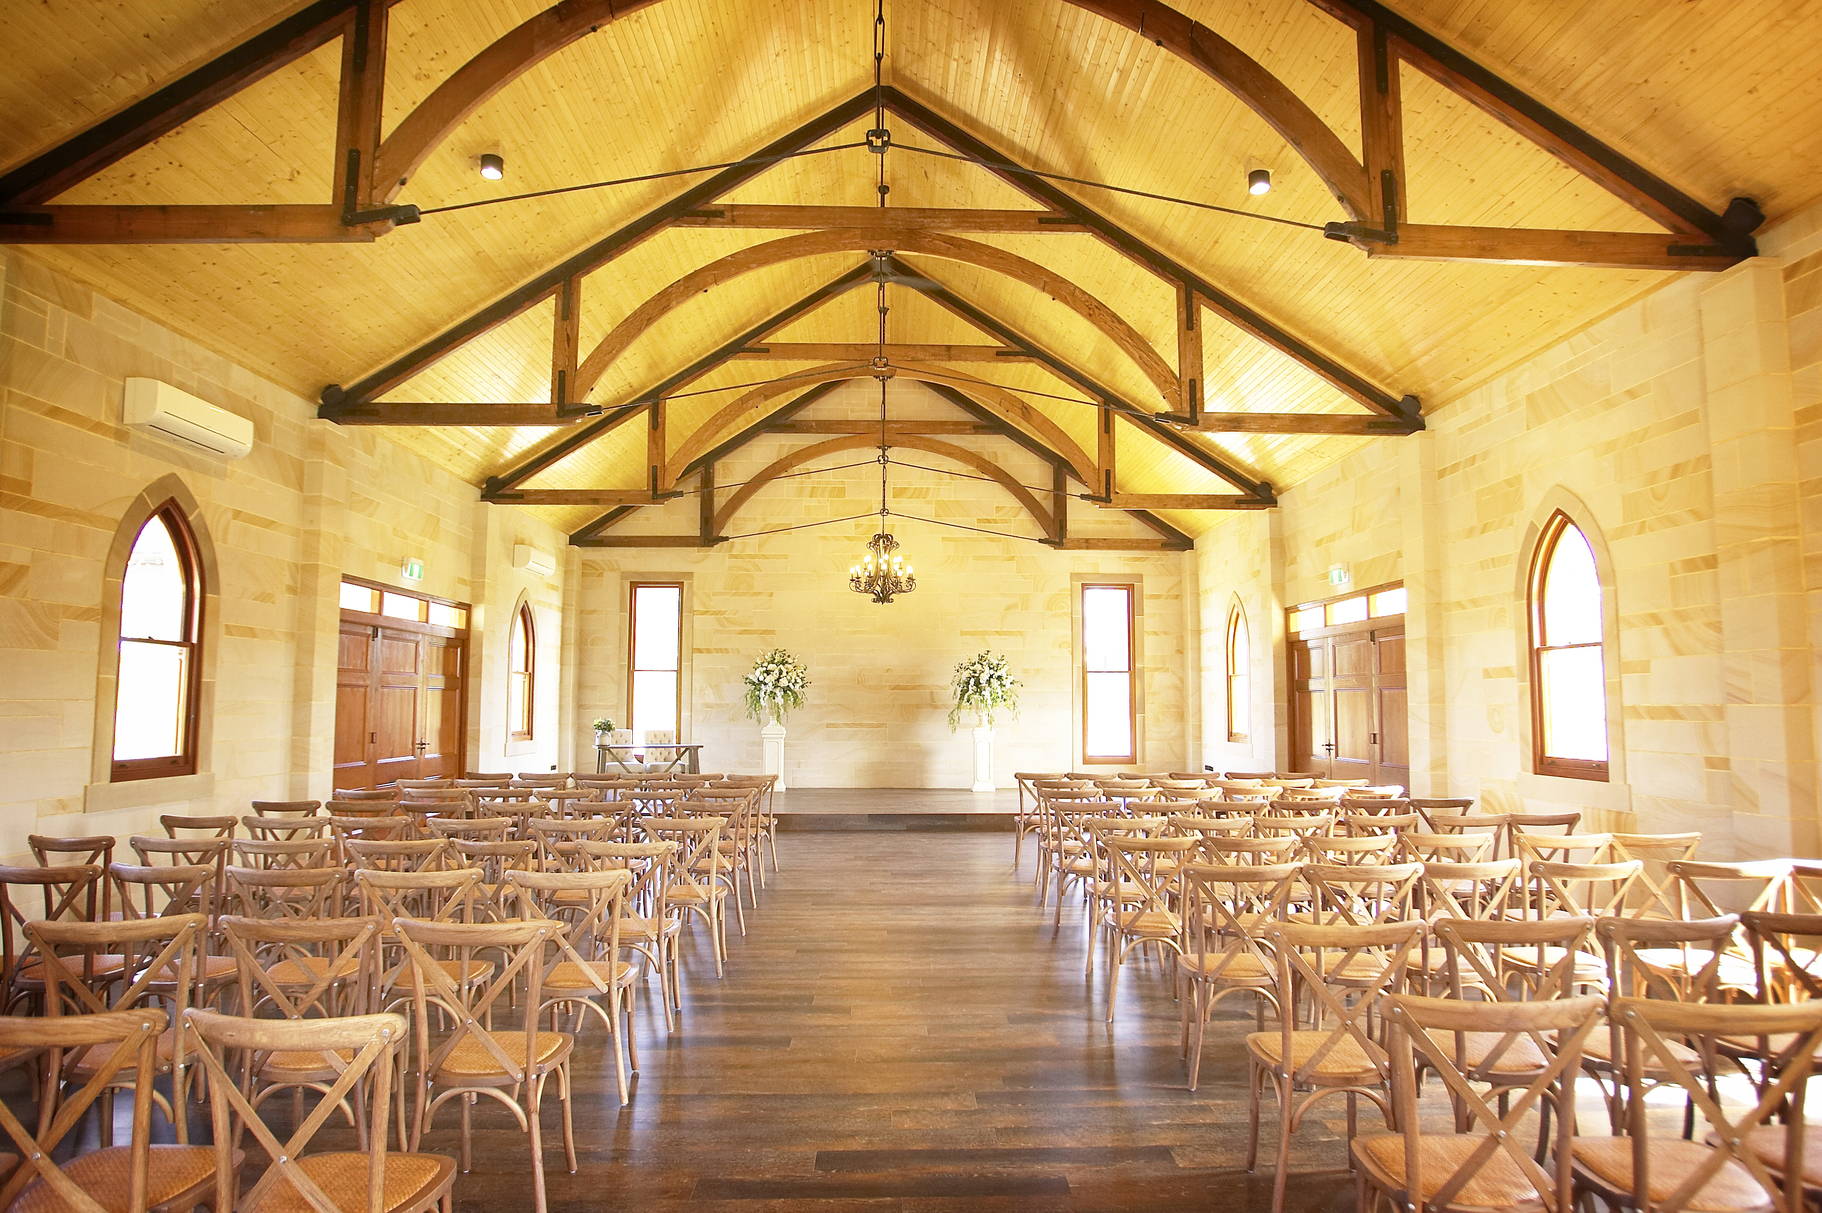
(1572, 593)
(517, 646)
(520, 694)
(1389, 602)
(1239, 697)
(1575, 703)
(657, 627)
(1109, 716)
(446, 616)
(654, 701)
(1106, 628)
(149, 709)
(402, 606)
(1306, 618)
(356, 597)
(1348, 610)
(153, 592)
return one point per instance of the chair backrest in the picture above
(1228, 910)
(698, 858)
(484, 778)
(1667, 958)
(269, 853)
(449, 896)
(1250, 850)
(1148, 870)
(1513, 960)
(61, 893)
(1679, 1045)
(1432, 1035)
(284, 828)
(1331, 980)
(1579, 888)
(346, 809)
(155, 890)
(418, 785)
(359, 1050)
(484, 829)
(1468, 890)
(1707, 888)
(1563, 848)
(93, 849)
(448, 974)
(1351, 849)
(396, 854)
(557, 838)
(124, 1041)
(1786, 954)
(366, 794)
(286, 892)
(592, 905)
(1277, 824)
(304, 968)
(1422, 847)
(1361, 894)
(185, 825)
(1353, 821)
(649, 864)
(160, 963)
(285, 808)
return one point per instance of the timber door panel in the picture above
(398, 702)
(1348, 704)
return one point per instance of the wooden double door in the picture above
(1349, 713)
(398, 701)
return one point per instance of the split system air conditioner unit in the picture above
(533, 561)
(175, 414)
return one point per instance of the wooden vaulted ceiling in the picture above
(1708, 101)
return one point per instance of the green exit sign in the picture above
(412, 569)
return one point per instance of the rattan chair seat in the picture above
(1608, 1160)
(570, 975)
(1498, 1183)
(413, 1181)
(1146, 924)
(308, 970)
(1235, 967)
(94, 1059)
(1520, 1056)
(1766, 1143)
(1344, 1064)
(292, 1065)
(471, 1059)
(1734, 971)
(171, 1172)
(641, 928)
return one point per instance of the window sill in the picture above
(159, 792)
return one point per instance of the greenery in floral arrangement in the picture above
(604, 725)
(775, 686)
(984, 685)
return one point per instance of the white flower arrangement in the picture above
(775, 686)
(604, 725)
(984, 685)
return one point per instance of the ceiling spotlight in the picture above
(493, 167)
(1259, 181)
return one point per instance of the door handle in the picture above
(421, 746)
(1330, 747)
(1373, 738)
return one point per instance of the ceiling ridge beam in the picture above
(1242, 315)
(1241, 478)
(596, 255)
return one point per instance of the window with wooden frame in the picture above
(521, 673)
(1568, 655)
(655, 677)
(1109, 704)
(1239, 684)
(160, 651)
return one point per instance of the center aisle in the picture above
(902, 1029)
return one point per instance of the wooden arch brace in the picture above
(849, 442)
(895, 239)
(1003, 403)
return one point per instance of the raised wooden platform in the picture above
(839, 810)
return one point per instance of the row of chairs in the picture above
(486, 949)
(1379, 954)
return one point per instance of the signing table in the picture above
(686, 757)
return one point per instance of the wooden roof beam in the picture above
(1243, 316)
(1535, 246)
(534, 290)
(75, 159)
(898, 351)
(786, 217)
(291, 223)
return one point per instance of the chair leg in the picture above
(619, 1045)
(1281, 1170)
(569, 1126)
(534, 1089)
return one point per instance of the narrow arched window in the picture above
(1568, 656)
(1239, 685)
(160, 654)
(522, 652)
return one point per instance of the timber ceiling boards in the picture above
(1596, 127)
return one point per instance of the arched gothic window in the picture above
(1568, 655)
(160, 651)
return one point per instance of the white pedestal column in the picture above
(771, 745)
(983, 759)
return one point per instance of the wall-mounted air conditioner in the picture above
(175, 414)
(533, 561)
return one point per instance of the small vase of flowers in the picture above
(603, 726)
(775, 686)
(984, 685)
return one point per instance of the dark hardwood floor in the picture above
(901, 1029)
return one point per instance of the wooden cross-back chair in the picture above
(1360, 894)
(697, 887)
(1577, 889)
(198, 826)
(1528, 1053)
(1563, 848)
(647, 927)
(509, 1065)
(452, 895)
(1513, 960)
(1654, 894)
(305, 968)
(1202, 829)
(1352, 822)
(283, 828)
(1706, 888)
(1250, 850)
(63, 893)
(493, 860)
(155, 890)
(1227, 909)
(356, 1055)
(287, 892)
(136, 1176)
(395, 854)
(369, 794)
(767, 815)
(1419, 846)
(586, 969)
(478, 829)
(203, 851)
(1329, 1040)
(557, 838)
(1786, 954)
(1143, 907)
(270, 854)
(1746, 1157)
(96, 850)
(347, 809)
(284, 808)
(1351, 849)
(1483, 889)
(1276, 824)
(160, 969)
(1520, 822)
(1059, 839)
(740, 841)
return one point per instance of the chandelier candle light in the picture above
(984, 685)
(882, 573)
(774, 687)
